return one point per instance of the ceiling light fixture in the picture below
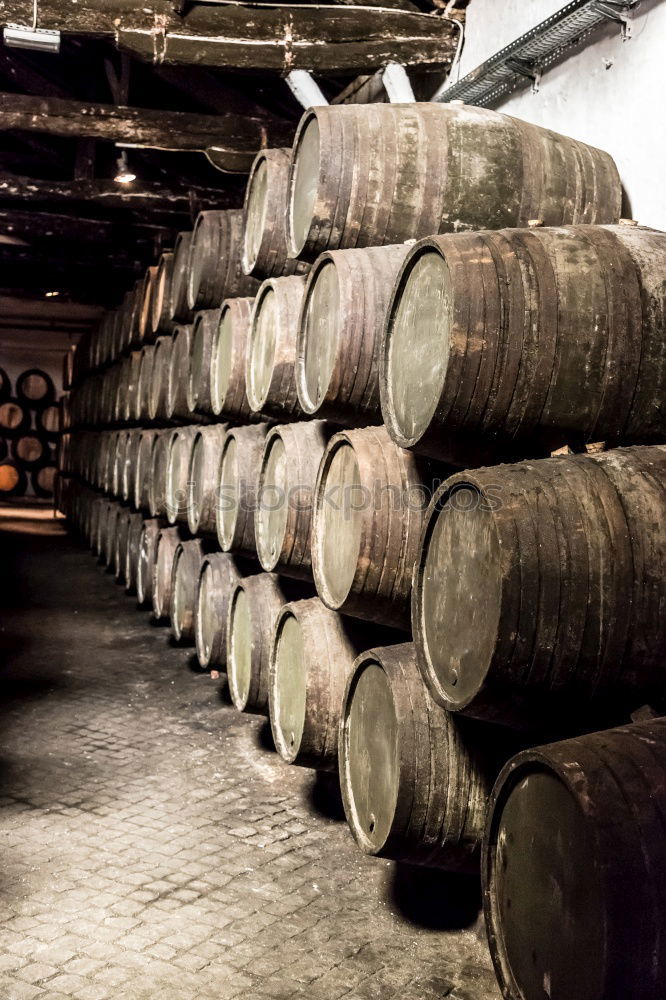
(124, 175)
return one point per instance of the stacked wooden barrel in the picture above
(29, 429)
(336, 481)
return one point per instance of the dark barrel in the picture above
(238, 488)
(541, 585)
(43, 479)
(528, 337)
(420, 169)
(283, 517)
(35, 388)
(271, 351)
(265, 252)
(29, 449)
(6, 386)
(415, 779)
(574, 869)
(370, 500)
(217, 578)
(228, 360)
(48, 420)
(340, 333)
(13, 480)
(14, 417)
(215, 271)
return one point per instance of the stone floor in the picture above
(152, 844)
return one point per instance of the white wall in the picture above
(609, 93)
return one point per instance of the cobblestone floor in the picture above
(152, 844)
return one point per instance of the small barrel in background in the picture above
(284, 512)
(179, 369)
(184, 583)
(34, 388)
(180, 311)
(370, 500)
(43, 480)
(133, 551)
(203, 479)
(271, 351)
(47, 420)
(415, 779)
(13, 480)
(14, 417)
(433, 168)
(574, 868)
(540, 589)
(160, 315)
(238, 488)
(159, 378)
(204, 332)
(150, 532)
(228, 369)
(265, 252)
(219, 573)
(340, 330)
(215, 271)
(29, 449)
(121, 543)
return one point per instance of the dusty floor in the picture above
(152, 844)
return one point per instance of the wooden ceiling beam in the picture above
(30, 225)
(230, 140)
(148, 199)
(318, 37)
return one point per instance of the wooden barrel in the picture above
(228, 361)
(203, 479)
(143, 469)
(168, 541)
(146, 305)
(13, 480)
(121, 542)
(5, 386)
(370, 499)
(265, 252)
(133, 551)
(157, 482)
(34, 388)
(271, 353)
(150, 532)
(160, 313)
(340, 333)
(43, 479)
(312, 653)
(204, 332)
(130, 468)
(415, 779)
(540, 585)
(253, 609)
(14, 417)
(217, 578)
(238, 488)
(159, 378)
(179, 367)
(99, 526)
(546, 336)
(420, 169)
(67, 370)
(118, 469)
(283, 516)
(574, 868)
(132, 400)
(180, 311)
(146, 365)
(181, 441)
(29, 449)
(109, 534)
(215, 271)
(98, 505)
(184, 582)
(48, 420)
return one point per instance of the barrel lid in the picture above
(273, 502)
(458, 593)
(263, 341)
(338, 527)
(417, 344)
(227, 511)
(370, 754)
(239, 660)
(304, 182)
(544, 894)
(319, 334)
(255, 212)
(289, 685)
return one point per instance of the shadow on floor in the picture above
(433, 899)
(323, 796)
(265, 737)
